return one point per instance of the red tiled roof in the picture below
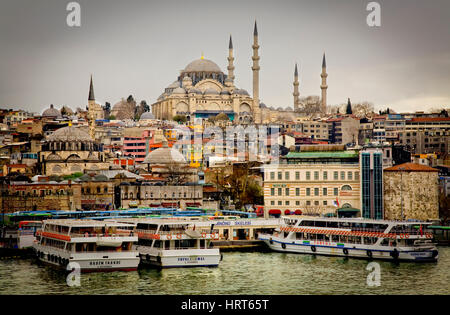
(411, 167)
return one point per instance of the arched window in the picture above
(346, 187)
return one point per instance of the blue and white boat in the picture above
(354, 237)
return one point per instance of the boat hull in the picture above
(180, 258)
(370, 252)
(88, 262)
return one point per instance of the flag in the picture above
(421, 230)
(336, 203)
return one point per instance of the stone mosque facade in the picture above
(202, 90)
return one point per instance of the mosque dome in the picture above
(202, 65)
(51, 112)
(225, 92)
(262, 105)
(165, 155)
(69, 134)
(147, 115)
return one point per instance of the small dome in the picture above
(262, 105)
(174, 85)
(225, 92)
(147, 115)
(51, 112)
(194, 90)
(100, 178)
(69, 134)
(202, 65)
(85, 178)
(280, 109)
(289, 109)
(241, 92)
(179, 90)
(211, 92)
(164, 155)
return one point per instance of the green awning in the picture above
(348, 210)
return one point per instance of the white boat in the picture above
(357, 237)
(176, 243)
(93, 245)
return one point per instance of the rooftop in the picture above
(411, 167)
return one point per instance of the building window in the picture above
(342, 175)
(316, 191)
(308, 203)
(308, 175)
(335, 175)
(280, 193)
(325, 175)
(272, 175)
(280, 203)
(286, 175)
(98, 190)
(325, 192)
(316, 203)
(335, 191)
(297, 203)
(356, 175)
(297, 191)
(350, 175)
(272, 191)
(308, 191)
(287, 191)
(280, 175)
(325, 203)
(297, 175)
(272, 203)
(316, 175)
(287, 203)
(346, 187)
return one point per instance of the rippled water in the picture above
(239, 273)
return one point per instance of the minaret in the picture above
(230, 60)
(296, 93)
(91, 110)
(324, 86)
(255, 69)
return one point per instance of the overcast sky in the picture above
(138, 47)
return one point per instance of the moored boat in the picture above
(93, 245)
(357, 237)
(176, 243)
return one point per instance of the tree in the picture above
(348, 109)
(179, 118)
(112, 117)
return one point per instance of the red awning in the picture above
(287, 212)
(274, 211)
(298, 212)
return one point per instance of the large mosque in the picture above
(202, 90)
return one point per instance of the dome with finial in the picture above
(202, 65)
(51, 112)
(165, 155)
(69, 134)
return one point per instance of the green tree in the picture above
(179, 118)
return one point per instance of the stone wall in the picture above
(419, 191)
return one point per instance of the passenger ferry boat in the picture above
(358, 238)
(176, 243)
(94, 245)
